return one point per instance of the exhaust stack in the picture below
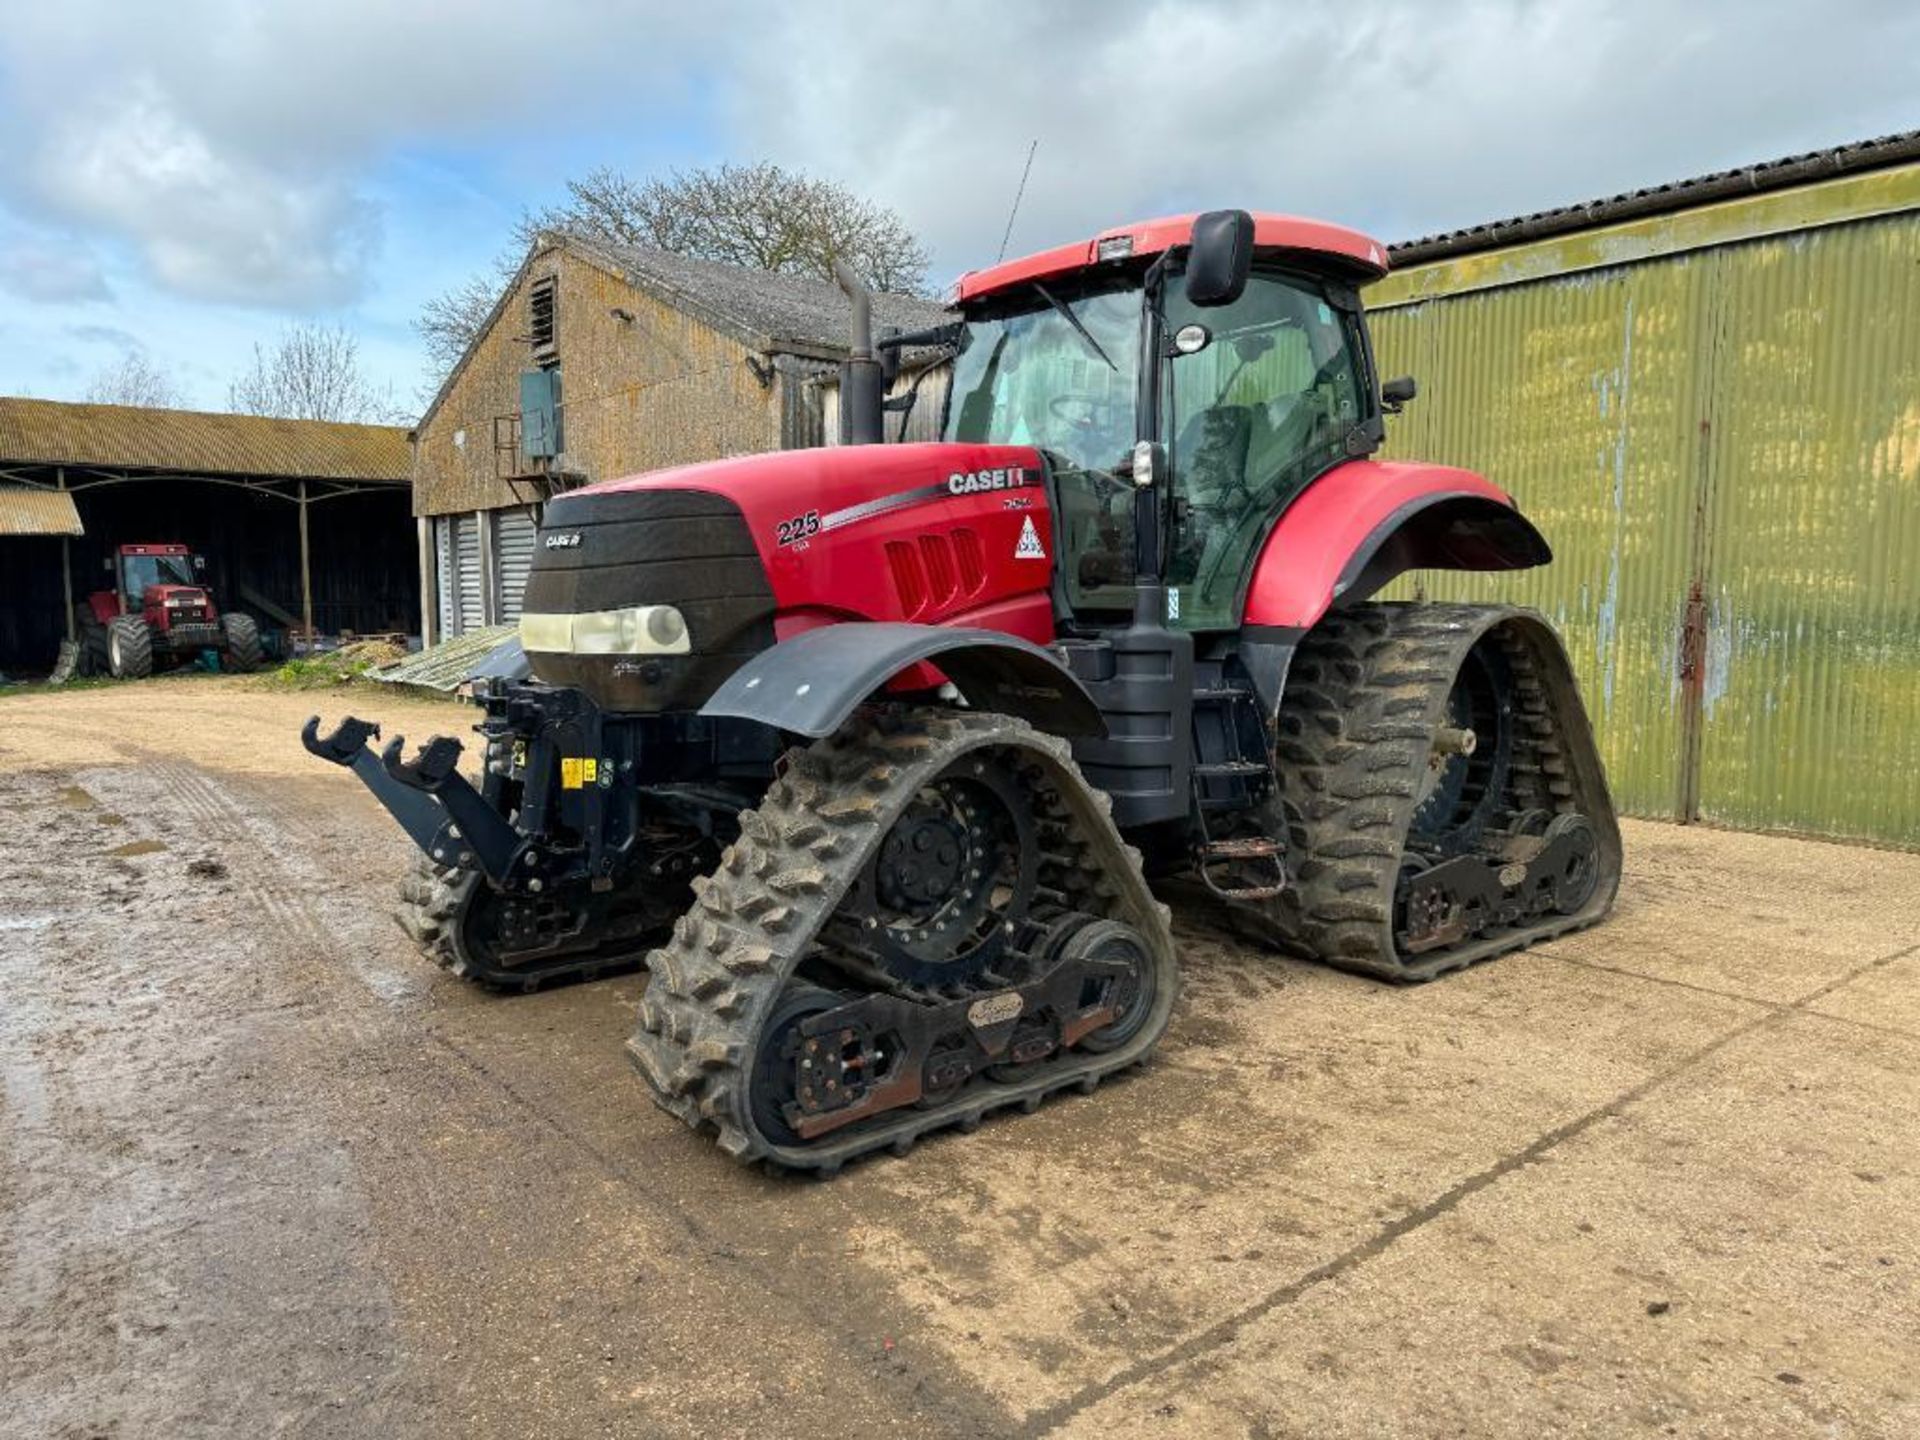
(862, 384)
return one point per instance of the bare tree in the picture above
(313, 373)
(762, 217)
(136, 380)
(449, 323)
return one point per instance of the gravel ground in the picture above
(266, 1171)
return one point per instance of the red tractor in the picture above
(159, 612)
(866, 751)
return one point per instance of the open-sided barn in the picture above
(302, 522)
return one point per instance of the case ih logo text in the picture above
(563, 542)
(977, 480)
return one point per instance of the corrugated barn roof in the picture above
(126, 437)
(1755, 179)
(772, 312)
(25, 510)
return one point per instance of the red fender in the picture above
(1364, 522)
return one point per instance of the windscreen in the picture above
(145, 570)
(1032, 377)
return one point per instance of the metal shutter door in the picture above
(466, 572)
(513, 532)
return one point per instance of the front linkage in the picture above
(574, 852)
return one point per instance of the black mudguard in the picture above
(811, 684)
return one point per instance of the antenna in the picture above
(1016, 201)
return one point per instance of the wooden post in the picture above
(66, 564)
(306, 573)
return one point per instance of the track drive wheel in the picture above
(1439, 791)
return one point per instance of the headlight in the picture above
(641, 630)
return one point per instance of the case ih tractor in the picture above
(865, 749)
(159, 613)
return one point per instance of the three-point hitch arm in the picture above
(434, 803)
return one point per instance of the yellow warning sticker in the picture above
(576, 772)
(589, 770)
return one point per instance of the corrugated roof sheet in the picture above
(772, 311)
(25, 510)
(1661, 199)
(127, 437)
(491, 651)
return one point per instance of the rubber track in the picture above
(758, 916)
(1363, 695)
(432, 897)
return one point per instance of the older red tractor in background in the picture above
(159, 612)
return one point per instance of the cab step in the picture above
(1240, 850)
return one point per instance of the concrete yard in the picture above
(266, 1171)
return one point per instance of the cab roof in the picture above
(1358, 256)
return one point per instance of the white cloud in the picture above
(1399, 116)
(45, 270)
(203, 155)
(229, 144)
(212, 224)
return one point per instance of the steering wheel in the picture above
(1095, 412)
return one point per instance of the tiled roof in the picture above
(126, 437)
(772, 312)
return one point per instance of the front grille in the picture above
(685, 548)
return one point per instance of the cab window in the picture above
(1029, 375)
(1262, 409)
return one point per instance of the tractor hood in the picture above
(178, 597)
(751, 550)
(808, 510)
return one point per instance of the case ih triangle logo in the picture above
(1029, 547)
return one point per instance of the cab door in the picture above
(1267, 403)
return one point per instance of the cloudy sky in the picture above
(189, 178)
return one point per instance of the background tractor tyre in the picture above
(93, 640)
(129, 648)
(243, 641)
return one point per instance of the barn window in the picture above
(542, 314)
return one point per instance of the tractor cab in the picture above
(1227, 374)
(156, 577)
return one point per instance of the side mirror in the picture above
(888, 356)
(1395, 394)
(199, 563)
(107, 564)
(1221, 257)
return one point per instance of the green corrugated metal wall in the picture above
(1735, 424)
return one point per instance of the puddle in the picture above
(73, 797)
(138, 847)
(107, 817)
(26, 922)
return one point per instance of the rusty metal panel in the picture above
(27, 510)
(1581, 396)
(1811, 703)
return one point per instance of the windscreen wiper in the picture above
(1079, 329)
